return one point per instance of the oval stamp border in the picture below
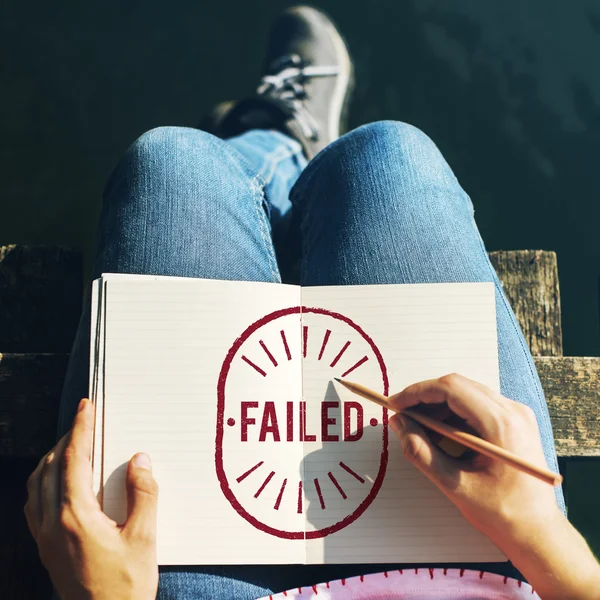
(294, 535)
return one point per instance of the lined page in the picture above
(360, 509)
(185, 359)
(97, 372)
(170, 346)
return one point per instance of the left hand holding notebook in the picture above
(86, 553)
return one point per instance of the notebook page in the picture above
(358, 508)
(182, 363)
(98, 305)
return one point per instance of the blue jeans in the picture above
(379, 205)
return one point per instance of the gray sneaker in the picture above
(306, 87)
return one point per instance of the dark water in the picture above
(510, 92)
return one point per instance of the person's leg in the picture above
(182, 202)
(381, 205)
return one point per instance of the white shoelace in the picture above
(287, 86)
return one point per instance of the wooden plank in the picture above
(40, 298)
(530, 282)
(41, 292)
(572, 388)
(30, 389)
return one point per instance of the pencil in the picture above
(462, 437)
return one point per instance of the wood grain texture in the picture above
(572, 388)
(530, 282)
(40, 298)
(30, 389)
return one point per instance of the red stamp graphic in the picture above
(294, 458)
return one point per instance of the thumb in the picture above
(142, 499)
(422, 452)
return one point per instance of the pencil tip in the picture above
(338, 379)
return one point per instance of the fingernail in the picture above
(142, 461)
(82, 404)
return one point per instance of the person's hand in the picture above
(87, 555)
(518, 512)
(499, 500)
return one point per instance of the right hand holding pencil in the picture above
(493, 496)
(519, 513)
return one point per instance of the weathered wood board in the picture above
(572, 388)
(530, 282)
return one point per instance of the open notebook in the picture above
(260, 456)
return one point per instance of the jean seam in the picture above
(257, 186)
(271, 161)
(263, 225)
(259, 182)
(293, 148)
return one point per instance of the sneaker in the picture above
(306, 87)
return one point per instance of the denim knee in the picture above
(404, 139)
(181, 202)
(394, 147)
(388, 159)
(169, 139)
(165, 158)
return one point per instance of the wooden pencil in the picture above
(462, 437)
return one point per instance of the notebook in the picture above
(260, 455)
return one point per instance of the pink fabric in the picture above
(416, 584)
